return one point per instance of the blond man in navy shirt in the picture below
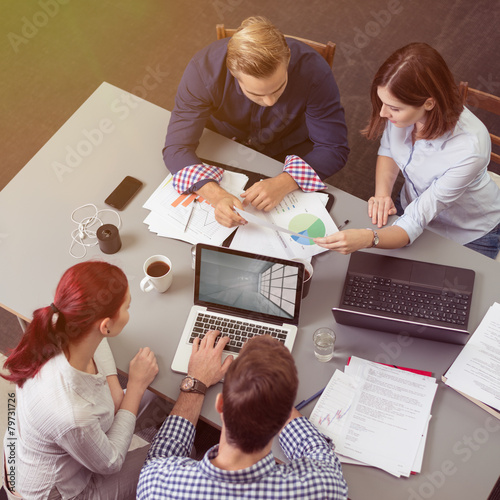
(274, 94)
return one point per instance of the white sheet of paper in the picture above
(249, 217)
(386, 419)
(170, 212)
(476, 371)
(301, 213)
(417, 464)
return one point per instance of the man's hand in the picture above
(266, 194)
(205, 363)
(379, 209)
(224, 213)
(223, 203)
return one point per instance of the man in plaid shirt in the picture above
(275, 95)
(255, 405)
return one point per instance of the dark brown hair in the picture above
(258, 394)
(87, 292)
(412, 75)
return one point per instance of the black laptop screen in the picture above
(248, 285)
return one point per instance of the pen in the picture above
(190, 215)
(344, 224)
(305, 402)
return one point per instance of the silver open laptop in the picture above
(241, 294)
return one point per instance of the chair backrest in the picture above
(327, 51)
(478, 99)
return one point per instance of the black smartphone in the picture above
(123, 193)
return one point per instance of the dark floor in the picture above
(54, 55)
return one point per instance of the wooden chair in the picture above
(478, 99)
(327, 51)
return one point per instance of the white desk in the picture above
(463, 447)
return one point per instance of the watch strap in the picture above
(376, 240)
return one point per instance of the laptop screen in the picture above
(248, 285)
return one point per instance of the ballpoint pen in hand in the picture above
(190, 214)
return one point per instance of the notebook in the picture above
(242, 295)
(409, 297)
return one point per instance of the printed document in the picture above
(189, 217)
(476, 371)
(288, 229)
(376, 414)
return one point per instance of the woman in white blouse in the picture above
(443, 152)
(74, 423)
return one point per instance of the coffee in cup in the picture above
(158, 271)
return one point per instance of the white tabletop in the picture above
(82, 165)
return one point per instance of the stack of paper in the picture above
(476, 371)
(188, 217)
(286, 232)
(377, 415)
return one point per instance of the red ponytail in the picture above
(86, 293)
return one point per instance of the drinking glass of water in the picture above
(324, 342)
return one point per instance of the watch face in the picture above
(187, 384)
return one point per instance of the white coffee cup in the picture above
(159, 275)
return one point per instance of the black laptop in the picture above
(408, 297)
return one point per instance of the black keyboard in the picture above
(377, 294)
(238, 331)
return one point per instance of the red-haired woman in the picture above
(74, 423)
(443, 152)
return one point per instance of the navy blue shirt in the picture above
(309, 108)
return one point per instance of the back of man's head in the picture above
(257, 49)
(258, 393)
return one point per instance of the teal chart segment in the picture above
(308, 225)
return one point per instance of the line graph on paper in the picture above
(330, 417)
(333, 409)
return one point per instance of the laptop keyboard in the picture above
(238, 331)
(382, 294)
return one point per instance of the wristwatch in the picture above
(191, 384)
(376, 239)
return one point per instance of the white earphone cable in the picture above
(83, 231)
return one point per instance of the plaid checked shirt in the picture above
(308, 180)
(314, 471)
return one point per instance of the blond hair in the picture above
(257, 49)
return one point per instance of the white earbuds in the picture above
(83, 230)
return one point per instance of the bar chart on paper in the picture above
(188, 217)
(309, 225)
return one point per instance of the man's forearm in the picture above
(188, 406)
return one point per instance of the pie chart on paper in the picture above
(308, 225)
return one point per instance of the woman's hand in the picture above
(347, 241)
(379, 209)
(142, 369)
